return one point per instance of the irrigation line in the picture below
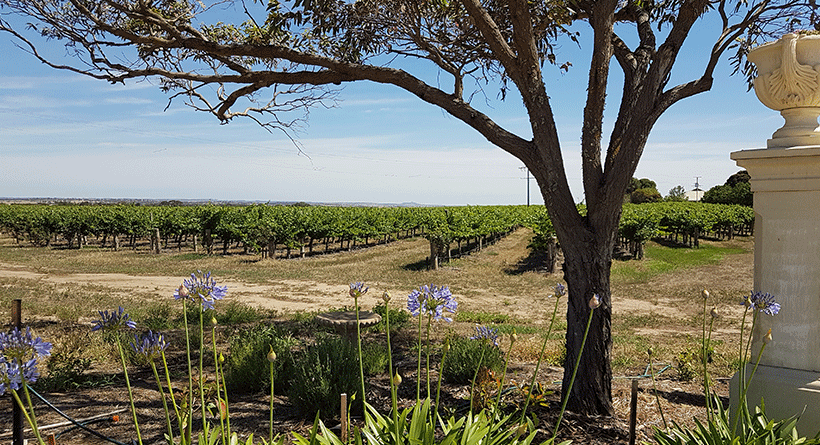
(75, 422)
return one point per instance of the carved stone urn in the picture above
(789, 81)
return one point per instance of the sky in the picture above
(69, 136)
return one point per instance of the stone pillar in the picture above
(785, 179)
(786, 186)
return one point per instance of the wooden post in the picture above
(633, 411)
(343, 411)
(16, 413)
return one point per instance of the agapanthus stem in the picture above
(201, 377)
(742, 401)
(361, 359)
(574, 373)
(130, 392)
(706, 380)
(188, 436)
(270, 433)
(393, 389)
(657, 397)
(704, 352)
(441, 377)
(427, 351)
(540, 358)
(164, 403)
(504, 374)
(221, 371)
(171, 392)
(418, 372)
(30, 418)
(475, 374)
(219, 387)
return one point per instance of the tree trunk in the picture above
(272, 248)
(551, 254)
(433, 260)
(155, 240)
(586, 270)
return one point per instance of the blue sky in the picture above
(68, 136)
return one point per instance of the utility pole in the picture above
(697, 188)
(528, 183)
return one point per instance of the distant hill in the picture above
(183, 202)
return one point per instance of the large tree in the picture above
(288, 56)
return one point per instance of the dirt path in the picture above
(285, 296)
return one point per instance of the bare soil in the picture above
(672, 295)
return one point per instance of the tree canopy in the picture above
(285, 57)
(736, 190)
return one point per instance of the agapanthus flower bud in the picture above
(386, 296)
(397, 379)
(271, 355)
(221, 358)
(594, 302)
(213, 321)
(768, 338)
(650, 351)
(714, 312)
(447, 345)
(705, 294)
(560, 290)
(513, 337)
(182, 291)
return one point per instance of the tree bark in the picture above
(586, 270)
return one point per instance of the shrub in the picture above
(68, 362)
(464, 357)
(321, 373)
(374, 358)
(247, 368)
(687, 362)
(398, 318)
(237, 313)
(157, 317)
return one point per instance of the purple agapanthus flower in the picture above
(12, 375)
(19, 353)
(201, 289)
(560, 290)
(486, 333)
(358, 289)
(151, 345)
(763, 302)
(17, 344)
(113, 321)
(433, 301)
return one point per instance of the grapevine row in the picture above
(261, 228)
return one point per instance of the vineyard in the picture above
(291, 231)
